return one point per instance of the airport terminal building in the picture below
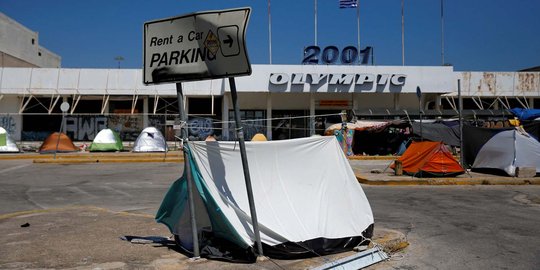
(280, 101)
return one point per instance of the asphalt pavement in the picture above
(63, 216)
(371, 170)
(78, 212)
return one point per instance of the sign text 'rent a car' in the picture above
(198, 46)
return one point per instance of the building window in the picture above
(33, 41)
(39, 53)
(202, 106)
(290, 124)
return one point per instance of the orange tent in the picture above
(259, 137)
(429, 159)
(64, 144)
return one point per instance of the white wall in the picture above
(496, 84)
(431, 79)
(17, 41)
(434, 80)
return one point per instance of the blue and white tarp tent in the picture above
(307, 199)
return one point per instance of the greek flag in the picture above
(348, 3)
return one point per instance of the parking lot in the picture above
(77, 214)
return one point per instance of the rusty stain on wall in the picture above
(488, 83)
(527, 82)
(465, 84)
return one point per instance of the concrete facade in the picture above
(19, 47)
(296, 93)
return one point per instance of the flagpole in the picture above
(442, 32)
(403, 32)
(358, 26)
(269, 34)
(315, 13)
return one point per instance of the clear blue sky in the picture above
(480, 35)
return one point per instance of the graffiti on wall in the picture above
(8, 123)
(200, 128)
(249, 129)
(157, 121)
(34, 135)
(84, 128)
(128, 126)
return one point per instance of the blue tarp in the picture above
(526, 114)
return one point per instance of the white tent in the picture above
(306, 195)
(508, 150)
(150, 140)
(6, 143)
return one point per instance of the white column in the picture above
(106, 111)
(356, 103)
(396, 101)
(438, 102)
(269, 116)
(311, 114)
(145, 112)
(225, 117)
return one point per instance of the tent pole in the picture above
(240, 137)
(59, 132)
(187, 167)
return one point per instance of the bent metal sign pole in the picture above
(200, 46)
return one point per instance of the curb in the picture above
(91, 155)
(391, 241)
(106, 160)
(450, 181)
(96, 157)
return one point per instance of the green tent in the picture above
(106, 140)
(6, 143)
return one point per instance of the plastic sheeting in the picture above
(526, 114)
(358, 125)
(303, 188)
(437, 132)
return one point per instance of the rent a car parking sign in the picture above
(198, 46)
